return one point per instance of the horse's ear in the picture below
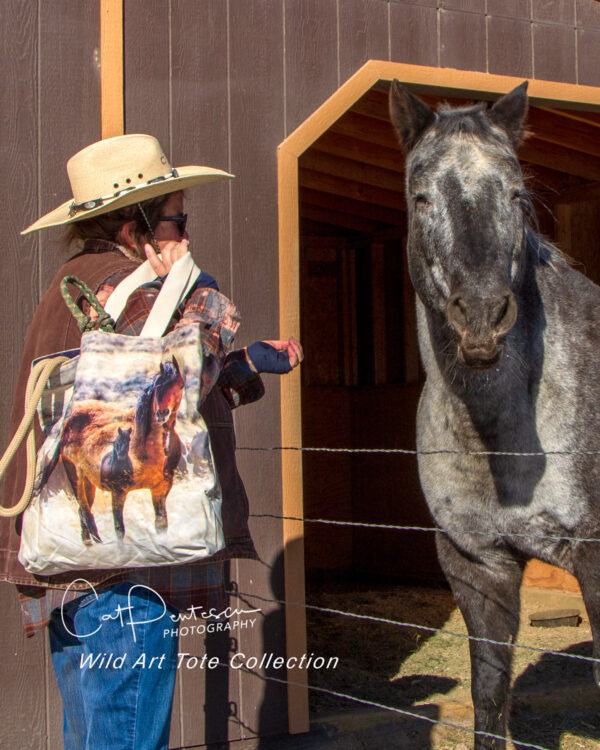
(409, 115)
(176, 365)
(510, 112)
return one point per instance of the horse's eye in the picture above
(516, 195)
(421, 200)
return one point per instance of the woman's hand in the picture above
(276, 356)
(292, 347)
(169, 253)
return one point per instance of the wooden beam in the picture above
(586, 192)
(359, 150)
(373, 104)
(350, 189)
(543, 180)
(564, 159)
(366, 129)
(588, 118)
(334, 202)
(111, 68)
(349, 169)
(564, 131)
(337, 218)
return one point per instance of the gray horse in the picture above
(510, 339)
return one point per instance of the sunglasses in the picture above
(180, 220)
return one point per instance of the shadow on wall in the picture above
(369, 655)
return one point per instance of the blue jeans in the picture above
(116, 678)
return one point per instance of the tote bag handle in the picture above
(181, 278)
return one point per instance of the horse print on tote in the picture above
(509, 336)
(122, 450)
(127, 477)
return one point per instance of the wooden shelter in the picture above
(290, 96)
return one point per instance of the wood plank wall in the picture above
(220, 82)
(51, 108)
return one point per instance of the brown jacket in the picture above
(54, 329)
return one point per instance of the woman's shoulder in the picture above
(93, 268)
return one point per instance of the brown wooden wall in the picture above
(50, 108)
(219, 82)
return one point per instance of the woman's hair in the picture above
(108, 226)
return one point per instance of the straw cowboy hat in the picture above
(117, 172)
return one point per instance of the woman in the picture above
(128, 206)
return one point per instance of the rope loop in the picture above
(102, 322)
(38, 378)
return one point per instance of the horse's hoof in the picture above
(161, 524)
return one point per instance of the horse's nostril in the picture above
(501, 312)
(507, 314)
(457, 311)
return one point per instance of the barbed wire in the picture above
(415, 626)
(433, 452)
(395, 527)
(383, 706)
(397, 623)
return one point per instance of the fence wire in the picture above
(401, 711)
(415, 626)
(397, 623)
(394, 527)
(409, 452)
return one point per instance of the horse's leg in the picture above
(159, 500)
(89, 492)
(488, 597)
(587, 570)
(118, 501)
(89, 529)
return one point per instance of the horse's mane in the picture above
(143, 413)
(540, 248)
(166, 375)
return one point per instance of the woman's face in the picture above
(168, 231)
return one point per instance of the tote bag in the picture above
(125, 476)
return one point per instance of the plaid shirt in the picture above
(200, 584)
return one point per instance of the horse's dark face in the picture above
(168, 388)
(464, 189)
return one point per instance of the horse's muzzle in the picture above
(479, 358)
(481, 324)
(162, 415)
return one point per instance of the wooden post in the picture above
(111, 68)
(291, 434)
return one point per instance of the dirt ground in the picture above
(555, 702)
